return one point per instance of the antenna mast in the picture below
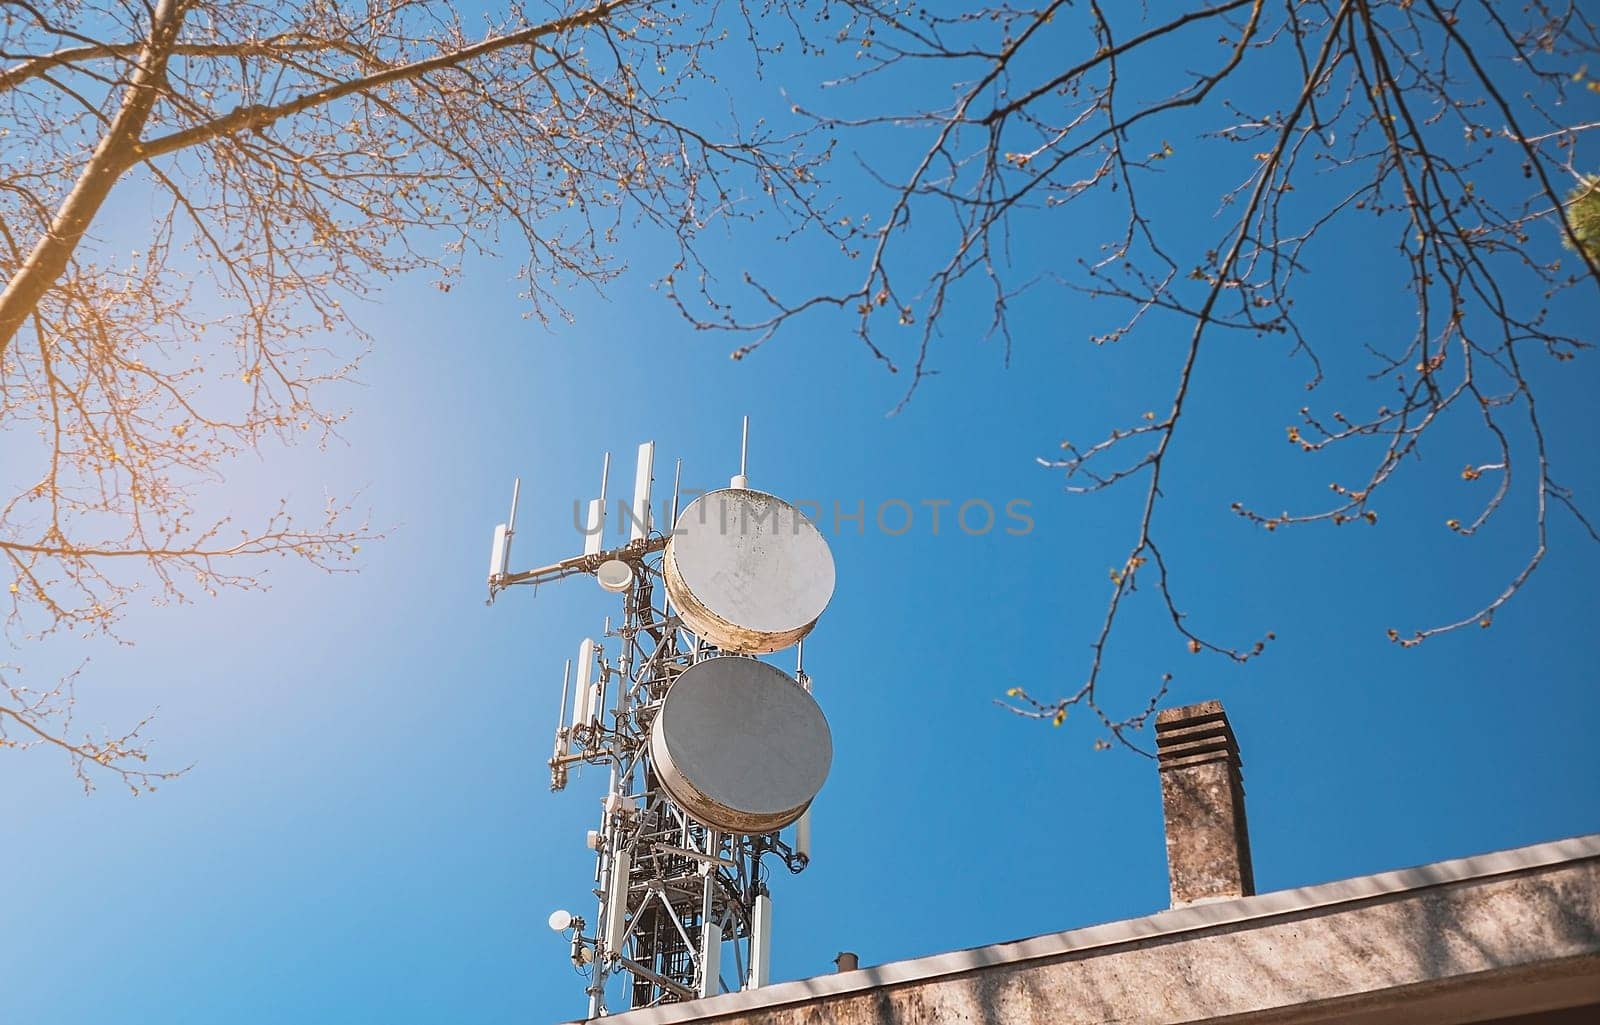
(683, 907)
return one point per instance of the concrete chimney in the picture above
(1202, 794)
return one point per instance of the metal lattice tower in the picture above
(683, 907)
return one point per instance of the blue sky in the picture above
(367, 833)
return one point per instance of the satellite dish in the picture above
(740, 746)
(614, 575)
(560, 920)
(747, 571)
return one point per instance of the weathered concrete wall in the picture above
(1459, 941)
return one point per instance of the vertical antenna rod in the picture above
(605, 477)
(677, 478)
(561, 710)
(743, 480)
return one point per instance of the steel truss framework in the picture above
(674, 896)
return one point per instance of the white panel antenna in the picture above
(500, 554)
(583, 703)
(761, 942)
(594, 524)
(640, 526)
(711, 960)
(617, 903)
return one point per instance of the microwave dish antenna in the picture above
(747, 571)
(614, 575)
(740, 745)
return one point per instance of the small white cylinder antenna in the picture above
(804, 825)
(802, 837)
(802, 828)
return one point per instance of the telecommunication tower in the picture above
(714, 756)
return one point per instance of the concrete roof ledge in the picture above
(1436, 931)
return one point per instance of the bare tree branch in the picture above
(289, 158)
(1418, 116)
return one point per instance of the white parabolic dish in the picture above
(740, 746)
(746, 571)
(614, 575)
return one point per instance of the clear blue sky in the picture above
(367, 834)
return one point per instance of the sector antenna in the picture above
(712, 755)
